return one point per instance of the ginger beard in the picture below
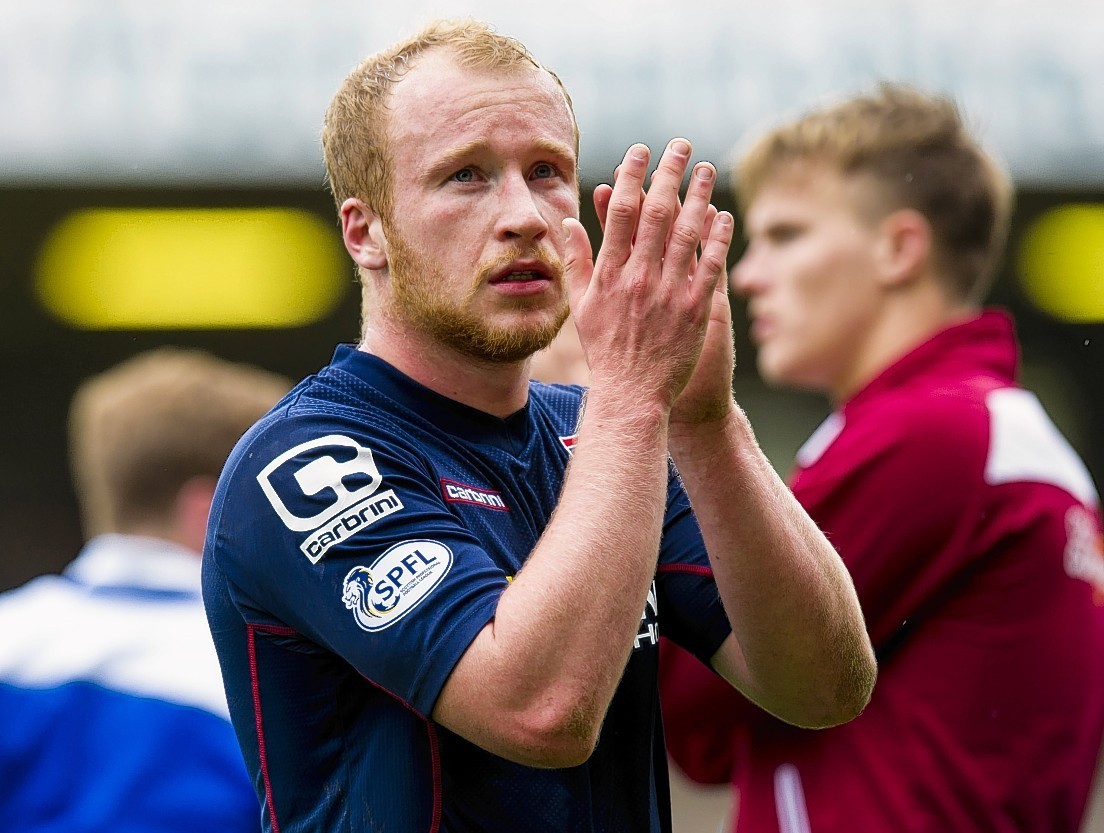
(417, 297)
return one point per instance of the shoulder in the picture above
(1002, 431)
(308, 466)
(32, 605)
(1026, 446)
(943, 429)
(311, 419)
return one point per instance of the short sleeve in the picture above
(691, 614)
(345, 537)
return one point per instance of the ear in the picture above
(904, 246)
(362, 231)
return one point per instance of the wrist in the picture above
(705, 421)
(705, 439)
(625, 409)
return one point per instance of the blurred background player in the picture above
(971, 528)
(112, 711)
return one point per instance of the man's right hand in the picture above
(643, 305)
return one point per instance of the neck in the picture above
(497, 388)
(908, 320)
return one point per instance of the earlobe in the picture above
(905, 246)
(362, 231)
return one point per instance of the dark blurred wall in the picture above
(42, 361)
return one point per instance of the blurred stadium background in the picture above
(161, 182)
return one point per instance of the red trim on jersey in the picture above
(255, 682)
(435, 764)
(434, 755)
(434, 750)
(695, 569)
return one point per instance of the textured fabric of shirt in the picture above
(113, 717)
(361, 536)
(972, 531)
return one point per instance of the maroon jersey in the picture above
(973, 534)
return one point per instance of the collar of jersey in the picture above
(136, 565)
(986, 343)
(446, 414)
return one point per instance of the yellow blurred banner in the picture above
(215, 268)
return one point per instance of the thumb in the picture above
(578, 260)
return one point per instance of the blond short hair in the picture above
(916, 150)
(355, 139)
(141, 430)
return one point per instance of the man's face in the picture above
(484, 173)
(809, 274)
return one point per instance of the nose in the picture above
(520, 216)
(744, 278)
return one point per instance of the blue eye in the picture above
(543, 171)
(464, 175)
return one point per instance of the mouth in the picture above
(516, 277)
(522, 272)
(761, 328)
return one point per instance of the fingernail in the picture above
(704, 172)
(681, 147)
(639, 152)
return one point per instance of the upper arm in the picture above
(345, 538)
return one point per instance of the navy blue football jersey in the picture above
(360, 538)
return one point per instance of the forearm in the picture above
(535, 684)
(802, 642)
(551, 660)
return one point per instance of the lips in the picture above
(761, 328)
(521, 272)
(518, 276)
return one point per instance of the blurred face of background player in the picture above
(484, 172)
(811, 276)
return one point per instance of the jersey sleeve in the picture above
(701, 710)
(690, 609)
(342, 535)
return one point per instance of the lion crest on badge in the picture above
(357, 596)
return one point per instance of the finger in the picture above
(578, 261)
(682, 249)
(711, 265)
(602, 195)
(623, 209)
(710, 215)
(660, 206)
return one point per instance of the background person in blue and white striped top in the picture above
(112, 712)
